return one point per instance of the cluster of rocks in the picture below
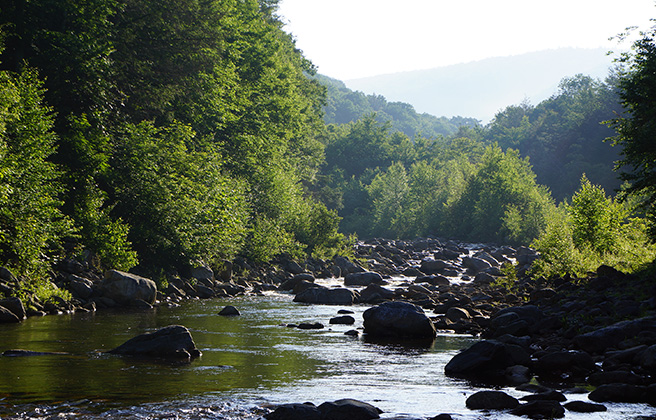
(345, 409)
(547, 342)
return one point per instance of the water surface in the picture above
(248, 362)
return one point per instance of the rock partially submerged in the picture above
(172, 342)
(398, 319)
(326, 296)
(345, 409)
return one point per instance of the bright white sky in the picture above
(348, 39)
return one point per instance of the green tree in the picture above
(635, 130)
(501, 202)
(31, 224)
(596, 219)
(388, 192)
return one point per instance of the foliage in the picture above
(30, 220)
(181, 128)
(501, 201)
(180, 207)
(593, 230)
(563, 135)
(635, 130)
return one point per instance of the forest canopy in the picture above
(157, 135)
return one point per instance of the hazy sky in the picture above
(349, 39)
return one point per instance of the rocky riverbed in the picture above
(595, 335)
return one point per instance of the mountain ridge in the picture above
(480, 89)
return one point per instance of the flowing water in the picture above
(248, 363)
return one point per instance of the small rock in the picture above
(229, 311)
(491, 400)
(310, 326)
(551, 395)
(540, 410)
(342, 320)
(584, 407)
(348, 409)
(306, 411)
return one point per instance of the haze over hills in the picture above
(482, 88)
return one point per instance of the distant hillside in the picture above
(344, 105)
(482, 88)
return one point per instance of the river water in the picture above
(248, 363)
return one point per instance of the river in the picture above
(249, 362)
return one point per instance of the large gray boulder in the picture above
(15, 306)
(172, 342)
(326, 296)
(375, 293)
(124, 288)
(363, 279)
(348, 409)
(6, 316)
(294, 411)
(491, 400)
(487, 360)
(398, 319)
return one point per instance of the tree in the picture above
(31, 224)
(636, 129)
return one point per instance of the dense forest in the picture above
(157, 135)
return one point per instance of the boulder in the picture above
(375, 293)
(15, 306)
(455, 314)
(491, 400)
(348, 409)
(475, 265)
(172, 342)
(434, 279)
(433, 266)
(363, 279)
(346, 266)
(609, 337)
(487, 360)
(202, 272)
(621, 393)
(229, 311)
(584, 407)
(545, 409)
(326, 296)
(342, 320)
(296, 411)
(398, 319)
(6, 316)
(557, 363)
(80, 287)
(123, 287)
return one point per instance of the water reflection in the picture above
(247, 362)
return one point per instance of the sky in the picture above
(350, 39)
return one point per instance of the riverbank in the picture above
(551, 341)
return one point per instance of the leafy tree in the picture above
(388, 192)
(501, 202)
(31, 224)
(596, 219)
(593, 230)
(180, 206)
(635, 130)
